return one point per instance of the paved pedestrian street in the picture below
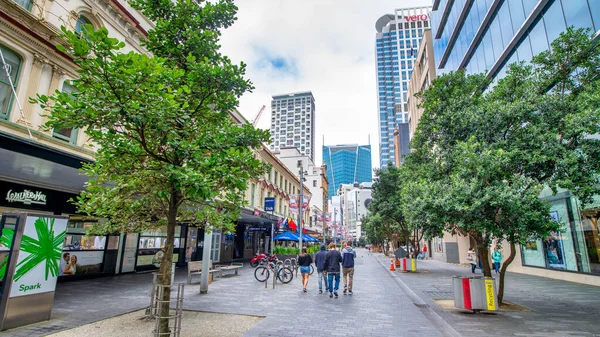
(384, 303)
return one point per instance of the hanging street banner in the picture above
(39, 256)
(324, 216)
(294, 203)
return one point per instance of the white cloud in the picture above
(327, 47)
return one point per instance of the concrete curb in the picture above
(443, 327)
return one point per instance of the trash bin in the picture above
(408, 264)
(475, 293)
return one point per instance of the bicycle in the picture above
(284, 274)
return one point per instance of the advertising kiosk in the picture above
(30, 257)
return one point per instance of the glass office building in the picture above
(487, 36)
(397, 42)
(347, 164)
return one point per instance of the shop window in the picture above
(66, 134)
(13, 63)
(151, 247)
(591, 234)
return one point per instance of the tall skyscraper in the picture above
(397, 41)
(489, 35)
(293, 122)
(347, 164)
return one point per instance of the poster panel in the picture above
(39, 256)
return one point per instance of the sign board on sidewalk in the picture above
(269, 204)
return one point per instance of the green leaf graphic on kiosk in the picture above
(46, 248)
(5, 241)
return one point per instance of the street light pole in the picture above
(300, 204)
(334, 226)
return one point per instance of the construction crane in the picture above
(258, 115)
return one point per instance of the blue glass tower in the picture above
(347, 164)
(397, 42)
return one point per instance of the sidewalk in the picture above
(377, 308)
(558, 308)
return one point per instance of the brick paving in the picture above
(558, 308)
(377, 308)
(383, 304)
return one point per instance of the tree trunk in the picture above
(484, 253)
(167, 260)
(511, 257)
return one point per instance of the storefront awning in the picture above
(29, 163)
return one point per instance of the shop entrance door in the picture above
(215, 248)
(129, 253)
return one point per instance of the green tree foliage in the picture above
(483, 154)
(168, 149)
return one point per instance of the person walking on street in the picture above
(304, 261)
(321, 272)
(472, 258)
(497, 258)
(332, 265)
(348, 256)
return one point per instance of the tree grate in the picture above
(440, 295)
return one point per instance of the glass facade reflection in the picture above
(484, 41)
(397, 42)
(492, 35)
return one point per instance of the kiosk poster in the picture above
(39, 256)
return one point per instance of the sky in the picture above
(323, 46)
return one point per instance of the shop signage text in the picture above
(421, 17)
(27, 197)
(25, 288)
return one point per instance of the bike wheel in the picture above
(261, 274)
(253, 264)
(285, 275)
(312, 269)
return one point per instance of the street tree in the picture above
(167, 147)
(388, 204)
(490, 153)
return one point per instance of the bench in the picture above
(195, 268)
(232, 267)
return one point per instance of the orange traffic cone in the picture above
(392, 267)
(397, 262)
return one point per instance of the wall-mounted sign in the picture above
(257, 229)
(27, 197)
(269, 204)
(420, 17)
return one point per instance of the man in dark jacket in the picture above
(332, 266)
(348, 256)
(320, 263)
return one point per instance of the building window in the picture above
(81, 23)
(24, 3)
(13, 62)
(314, 183)
(65, 134)
(252, 191)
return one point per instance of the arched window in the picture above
(13, 64)
(80, 24)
